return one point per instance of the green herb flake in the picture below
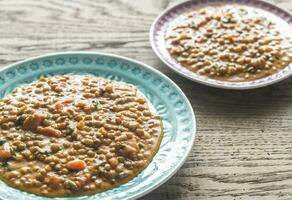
(5, 165)
(2, 141)
(141, 146)
(122, 175)
(68, 130)
(71, 185)
(96, 104)
(12, 151)
(19, 121)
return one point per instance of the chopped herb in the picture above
(12, 151)
(40, 150)
(5, 165)
(96, 104)
(141, 146)
(120, 146)
(68, 130)
(122, 175)
(2, 141)
(71, 185)
(19, 121)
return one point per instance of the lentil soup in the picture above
(75, 135)
(230, 43)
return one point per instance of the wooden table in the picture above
(243, 148)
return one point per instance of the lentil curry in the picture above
(228, 43)
(75, 135)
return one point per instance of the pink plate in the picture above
(160, 25)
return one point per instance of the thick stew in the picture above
(229, 43)
(75, 135)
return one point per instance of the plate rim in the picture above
(154, 70)
(214, 83)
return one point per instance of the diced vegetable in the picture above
(113, 162)
(49, 131)
(5, 154)
(67, 101)
(88, 109)
(58, 106)
(71, 185)
(76, 165)
(32, 122)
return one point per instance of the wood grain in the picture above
(243, 148)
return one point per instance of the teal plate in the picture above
(166, 97)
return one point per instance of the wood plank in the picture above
(243, 148)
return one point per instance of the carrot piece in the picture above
(76, 165)
(58, 106)
(66, 101)
(88, 109)
(5, 154)
(49, 131)
(32, 122)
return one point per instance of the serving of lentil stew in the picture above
(75, 135)
(231, 43)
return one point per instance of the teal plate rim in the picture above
(167, 98)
